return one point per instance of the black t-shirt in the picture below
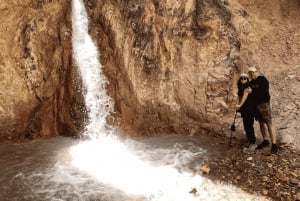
(260, 90)
(248, 107)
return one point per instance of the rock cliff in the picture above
(38, 82)
(172, 65)
(173, 62)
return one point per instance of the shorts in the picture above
(265, 113)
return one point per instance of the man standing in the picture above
(260, 91)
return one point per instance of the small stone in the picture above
(265, 191)
(270, 158)
(283, 178)
(294, 174)
(294, 181)
(193, 191)
(265, 179)
(250, 158)
(205, 169)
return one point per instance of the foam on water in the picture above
(160, 174)
(146, 169)
(104, 165)
(86, 55)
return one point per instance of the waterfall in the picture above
(166, 169)
(86, 56)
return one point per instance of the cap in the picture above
(243, 75)
(252, 69)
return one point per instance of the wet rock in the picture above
(205, 169)
(193, 191)
(36, 71)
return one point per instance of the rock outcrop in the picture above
(172, 65)
(172, 61)
(38, 82)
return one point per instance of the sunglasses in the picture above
(243, 78)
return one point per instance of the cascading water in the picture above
(116, 163)
(86, 55)
(103, 167)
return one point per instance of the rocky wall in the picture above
(38, 95)
(172, 65)
(171, 62)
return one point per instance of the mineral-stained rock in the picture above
(175, 63)
(37, 85)
(172, 66)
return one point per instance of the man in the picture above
(260, 91)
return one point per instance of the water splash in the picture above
(86, 56)
(116, 163)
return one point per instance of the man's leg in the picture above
(263, 131)
(268, 119)
(271, 133)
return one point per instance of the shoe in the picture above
(249, 147)
(264, 143)
(274, 149)
(252, 146)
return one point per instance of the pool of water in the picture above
(162, 168)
